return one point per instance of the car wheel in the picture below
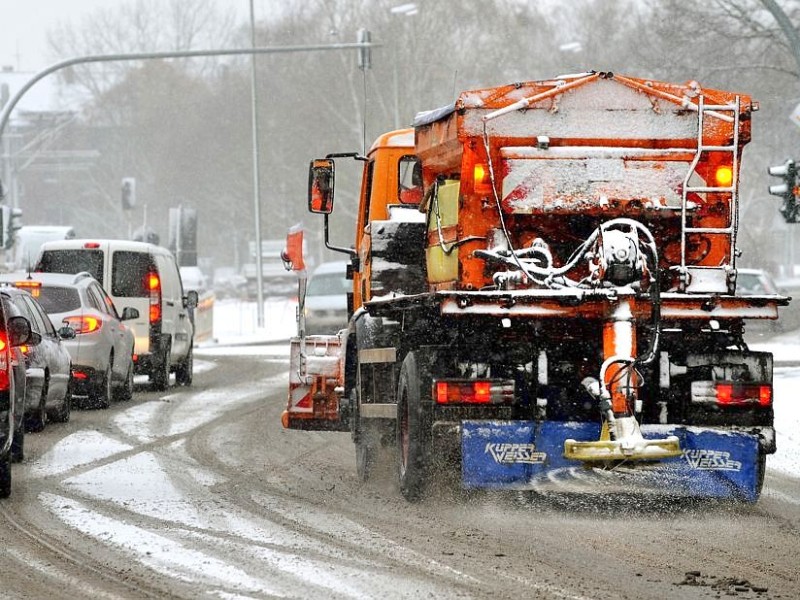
(18, 445)
(125, 391)
(183, 374)
(38, 420)
(5, 476)
(160, 374)
(61, 415)
(100, 394)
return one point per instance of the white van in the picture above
(143, 276)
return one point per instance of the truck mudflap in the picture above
(315, 384)
(714, 463)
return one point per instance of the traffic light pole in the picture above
(363, 47)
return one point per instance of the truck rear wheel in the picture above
(414, 427)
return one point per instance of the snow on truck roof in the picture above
(587, 105)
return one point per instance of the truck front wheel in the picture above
(413, 427)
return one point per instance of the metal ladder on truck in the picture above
(712, 278)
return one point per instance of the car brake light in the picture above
(737, 394)
(80, 375)
(473, 392)
(154, 287)
(84, 324)
(92, 245)
(4, 381)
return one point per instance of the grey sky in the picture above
(24, 25)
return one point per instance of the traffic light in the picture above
(364, 54)
(786, 190)
(128, 193)
(10, 223)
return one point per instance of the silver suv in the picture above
(102, 349)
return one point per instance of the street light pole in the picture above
(8, 107)
(256, 173)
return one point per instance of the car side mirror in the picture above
(191, 299)
(129, 313)
(20, 333)
(66, 333)
(320, 186)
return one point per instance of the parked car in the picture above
(14, 332)
(143, 277)
(47, 364)
(326, 298)
(102, 345)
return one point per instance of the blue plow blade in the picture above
(526, 455)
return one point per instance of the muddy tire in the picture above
(183, 374)
(5, 476)
(17, 453)
(38, 420)
(61, 414)
(125, 391)
(160, 374)
(413, 427)
(100, 394)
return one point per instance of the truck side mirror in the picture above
(320, 186)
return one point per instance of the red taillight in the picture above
(473, 392)
(3, 363)
(736, 394)
(154, 287)
(92, 245)
(84, 324)
(80, 375)
(25, 349)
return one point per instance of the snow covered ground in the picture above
(236, 332)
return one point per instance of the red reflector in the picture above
(463, 392)
(724, 393)
(92, 245)
(135, 357)
(736, 394)
(765, 395)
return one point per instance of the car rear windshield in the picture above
(58, 299)
(73, 261)
(129, 273)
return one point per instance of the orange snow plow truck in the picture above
(544, 296)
